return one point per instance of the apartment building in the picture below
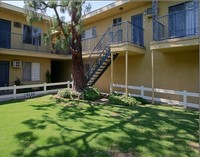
(23, 53)
(139, 43)
(143, 43)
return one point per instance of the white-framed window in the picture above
(32, 35)
(30, 71)
(89, 33)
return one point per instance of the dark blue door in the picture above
(182, 20)
(5, 33)
(137, 29)
(4, 74)
(177, 21)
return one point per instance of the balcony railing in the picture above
(121, 33)
(11, 40)
(176, 25)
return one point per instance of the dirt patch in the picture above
(101, 101)
(118, 153)
(194, 145)
(115, 114)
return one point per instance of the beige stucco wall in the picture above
(45, 64)
(174, 70)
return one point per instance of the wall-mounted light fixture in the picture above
(121, 8)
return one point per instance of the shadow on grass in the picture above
(97, 130)
(44, 106)
(11, 102)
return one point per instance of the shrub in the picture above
(68, 93)
(141, 100)
(91, 94)
(119, 99)
(17, 82)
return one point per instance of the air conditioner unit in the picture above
(17, 64)
(149, 12)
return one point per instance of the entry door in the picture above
(4, 74)
(177, 21)
(5, 33)
(137, 32)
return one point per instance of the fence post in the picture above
(68, 83)
(185, 98)
(72, 85)
(45, 87)
(14, 91)
(142, 91)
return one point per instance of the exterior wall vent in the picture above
(17, 25)
(17, 64)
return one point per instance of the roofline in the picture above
(105, 8)
(18, 9)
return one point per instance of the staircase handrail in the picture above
(97, 59)
(99, 42)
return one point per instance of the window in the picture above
(117, 21)
(32, 35)
(89, 33)
(181, 19)
(31, 71)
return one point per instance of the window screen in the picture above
(26, 71)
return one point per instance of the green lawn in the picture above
(41, 127)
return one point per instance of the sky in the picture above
(95, 4)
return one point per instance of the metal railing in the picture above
(123, 32)
(10, 40)
(88, 44)
(176, 25)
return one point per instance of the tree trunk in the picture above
(78, 74)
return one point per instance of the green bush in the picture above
(91, 94)
(68, 93)
(119, 99)
(141, 100)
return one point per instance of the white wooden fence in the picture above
(185, 95)
(11, 92)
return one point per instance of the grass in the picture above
(41, 127)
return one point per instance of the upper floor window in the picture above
(117, 21)
(182, 19)
(89, 33)
(32, 35)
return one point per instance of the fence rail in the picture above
(27, 91)
(184, 94)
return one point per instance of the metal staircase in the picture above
(103, 59)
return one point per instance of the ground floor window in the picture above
(31, 71)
